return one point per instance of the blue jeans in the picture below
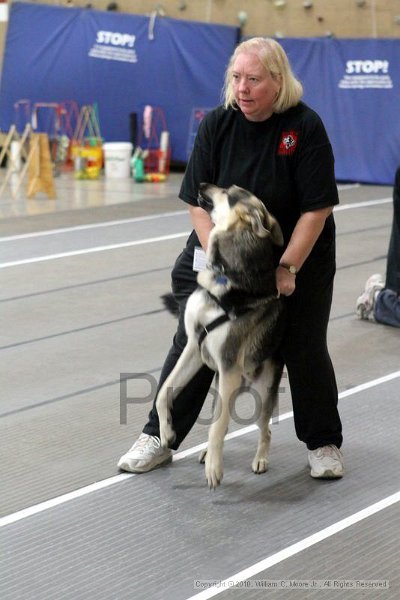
(387, 308)
(387, 305)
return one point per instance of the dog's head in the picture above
(235, 208)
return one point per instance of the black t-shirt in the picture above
(286, 161)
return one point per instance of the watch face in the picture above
(291, 268)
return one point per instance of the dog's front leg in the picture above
(188, 364)
(267, 386)
(229, 383)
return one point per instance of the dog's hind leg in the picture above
(267, 386)
(229, 383)
(188, 364)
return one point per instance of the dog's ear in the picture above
(276, 231)
(264, 224)
(257, 224)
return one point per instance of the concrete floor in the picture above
(81, 279)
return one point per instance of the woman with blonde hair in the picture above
(275, 61)
(265, 139)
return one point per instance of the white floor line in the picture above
(369, 384)
(25, 236)
(367, 203)
(348, 186)
(27, 261)
(99, 485)
(229, 436)
(35, 234)
(290, 551)
(17, 263)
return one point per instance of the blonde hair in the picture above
(275, 61)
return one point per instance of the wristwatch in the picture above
(291, 268)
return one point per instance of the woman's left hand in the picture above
(285, 281)
(305, 234)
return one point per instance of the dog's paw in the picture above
(214, 471)
(259, 464)
(202, 456)
(167, 435)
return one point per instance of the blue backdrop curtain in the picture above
(123, 62)
(354, 86)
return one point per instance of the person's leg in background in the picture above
(380, 300)
(386, 308)
(393, 259)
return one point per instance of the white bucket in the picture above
(117, 158)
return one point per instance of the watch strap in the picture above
(291, 268)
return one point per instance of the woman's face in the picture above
(253, 86)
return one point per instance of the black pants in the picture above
(304, 351)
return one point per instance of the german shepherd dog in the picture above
(234, 321)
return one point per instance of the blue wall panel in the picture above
(54, 54)
(355, 87)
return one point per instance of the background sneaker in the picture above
(366, 302)
(145, 455)
(326, 462)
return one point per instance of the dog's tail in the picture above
(170, 304)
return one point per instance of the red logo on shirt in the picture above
(288, 143)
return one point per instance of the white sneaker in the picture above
(326, 462)
(366, 302)
(145, 455)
